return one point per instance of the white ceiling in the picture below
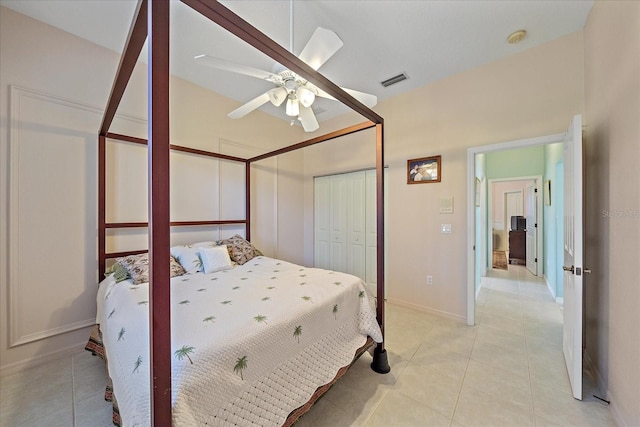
(428, 40)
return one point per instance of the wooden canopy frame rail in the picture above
(151, 20)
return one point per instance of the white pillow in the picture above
(215, 259)
(187, 256)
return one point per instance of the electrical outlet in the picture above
(429, 280)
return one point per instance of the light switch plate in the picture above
(445, 228)
(446, 205)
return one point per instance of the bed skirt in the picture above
(96, 347)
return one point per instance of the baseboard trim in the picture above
(428, 310)
(591, 366)
(40, 360)
(553, 292)
(604, 391)
(615, 412)
(478, 291)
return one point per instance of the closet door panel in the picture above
(345, 224)
(322, 222)
(356, 224)
(371, 229)
(338, 209)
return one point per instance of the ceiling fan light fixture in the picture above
(292, 108)
(305, 96)
(277, 96)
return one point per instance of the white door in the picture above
(371, 277)
(330, 241)
(356, 224)
(573, 267)
(532, 228)
(322, 222)
(338, 208)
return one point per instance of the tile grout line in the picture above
(526, 349)
(464, 376)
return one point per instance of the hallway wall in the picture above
(612, 222)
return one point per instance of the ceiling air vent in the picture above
(395, 79)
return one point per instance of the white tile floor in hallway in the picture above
(508, 370)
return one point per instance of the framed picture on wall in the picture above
(424, 170)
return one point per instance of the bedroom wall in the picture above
(612, 223)
(48, 180)
(529, 94)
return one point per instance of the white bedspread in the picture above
(249, 345)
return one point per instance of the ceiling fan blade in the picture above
(221, 64)
(308, 119)
(320, 47)
(245, 109)
(366, 98)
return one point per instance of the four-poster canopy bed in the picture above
(152, 19)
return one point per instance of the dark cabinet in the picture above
(517, 247)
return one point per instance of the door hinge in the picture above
(535, 190)
(536, 225)
(536, 260)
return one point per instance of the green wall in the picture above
(527, 161)
(552, 217)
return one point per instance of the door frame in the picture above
(471, 225)
(537, 179)
(539, 227)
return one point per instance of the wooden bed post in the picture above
(380, 361)
(102, 218)
(135, 40)
(247, 204)
(159, 222)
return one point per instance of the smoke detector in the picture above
(516, 36)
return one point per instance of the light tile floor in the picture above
(508, 370)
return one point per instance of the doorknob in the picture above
(565, 268)
(586, 271)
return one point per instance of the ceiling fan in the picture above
(298, 92)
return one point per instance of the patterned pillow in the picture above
(240, 250)
(138, 267)
(120, 273)
(187, 256)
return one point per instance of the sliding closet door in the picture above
(330, 223)
(356, 224)
(371, 221)
(345, 224)
(322, 221)
(338, 209)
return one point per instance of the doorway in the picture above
(479, 209)
(572, 205)
(520, 240)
